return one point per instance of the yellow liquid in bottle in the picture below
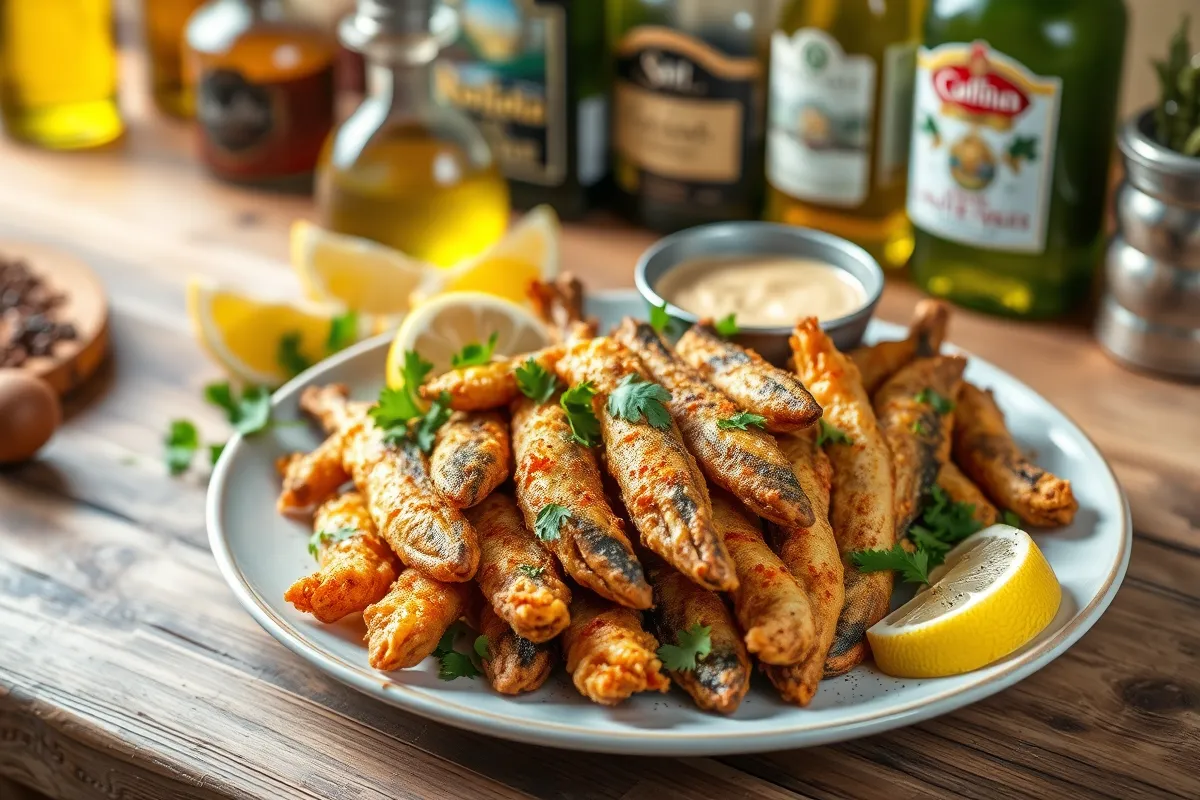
(58, 65)
(417, 193)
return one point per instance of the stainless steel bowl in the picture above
(765, 239)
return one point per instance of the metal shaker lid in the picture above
(399, 31)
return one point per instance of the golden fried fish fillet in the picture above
(356, 567)
(986, 452)
(310, 479)
(518, 577)
(407, 624)
(961, 489)
(748, 380)
(916, 434)
(487, 386)
(811, 554)
(771, 606)
(608, 653)
(862, 509)
(426, 533)
(747, 461)
(513, 664)
(721, 678)
(661, 485)
(471, 457)
(559, 303)
(551, 468)
(878, 362)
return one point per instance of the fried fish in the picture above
(878, 362)
(486, 386)
(471, 457)
(609, 655)
(960, 489)
(310, 479)
(406, 625)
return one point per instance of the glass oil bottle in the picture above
(165, 21)
(403, 169)
(58, 73)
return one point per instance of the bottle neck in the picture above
(401, 86)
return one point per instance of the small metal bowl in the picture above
(765, 239)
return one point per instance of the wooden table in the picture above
(128, 670)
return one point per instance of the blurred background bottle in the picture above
(165, 21)
(838, 121)
(531, 74)
(688, 98)
(58, 72)
(1015, 107)
(264, 85)
(403, 169)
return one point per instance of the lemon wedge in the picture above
(353, 272)
(994, 593)
(442, 326)
(243, 333)
(528, 252)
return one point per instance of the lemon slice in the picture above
(243, 333)
(994, 593)
(442, 326)
(528, 252)
(357, 273)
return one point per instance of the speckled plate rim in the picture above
(446, 708)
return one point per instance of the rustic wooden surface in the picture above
(128, 670)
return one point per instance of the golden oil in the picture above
(58, 72)
(165, 22)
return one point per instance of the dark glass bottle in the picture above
(530, 73)
(688, 100)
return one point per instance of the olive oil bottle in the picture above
(688, 100)
(165, 22)
(530, 73)
(403, 169)
(58, 73)
(839, 121)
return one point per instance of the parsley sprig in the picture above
(940, 403)
(535, 381)
(691, 646)
(660, 320)
(742, 421)
(454, 663)
(530, 571)
(475, 354)
(635, 398)
(828, 434)
(581, 415)
(320, 538)
(549, 521)
(913, 567)
(398, 412)
(726, 326)
(181, 442)
(248, 412)
(343, 332)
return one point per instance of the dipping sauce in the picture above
(767, 291)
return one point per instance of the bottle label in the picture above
(983, 148)
(263, 130)
(683, 113)
(819, 125)
(507, 71)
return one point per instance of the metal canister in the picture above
(1150, 317)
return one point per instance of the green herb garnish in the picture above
(635, 398)
(535, 381)
(660, 320)
(726, 326)
(481, 646)
(288, 355)
(328, 537)
(343, 332)
(530, 571)
(913, 567)
(742, 420)
(581, 415)
(181, 442)
(475, 354)
(828, 434)
(549, 521)
(690, 647)
(1011, 518)
(940, 403)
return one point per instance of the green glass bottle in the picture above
(1014, 112)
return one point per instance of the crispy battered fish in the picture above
(551, 468)
(608, 653)
(917, 435)
(960, 489)
(560, 305)
(748, 380)
(862, 510)
(513, 664)
(878, 362)
(487, 386)
(746, 462)
(660, 483)
(310, 479)
(406, 625)
(356, 567)
(426, 533)
(471, 457)
(770, 604)
(812, 556)
(518, 577)
(721, 678)
(986, 452)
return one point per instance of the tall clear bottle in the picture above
(688, 100)
(839, 118)
(403, 169)
(165, 22)
(58, 73)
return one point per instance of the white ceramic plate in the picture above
(261, 553)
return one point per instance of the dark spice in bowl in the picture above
(29, 324)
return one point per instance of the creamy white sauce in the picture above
(762, 290)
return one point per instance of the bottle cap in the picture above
(399, 31)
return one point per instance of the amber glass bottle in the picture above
(403, 169)
(58, 72)
(839, 119)
(165, 21)
(264, 91)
